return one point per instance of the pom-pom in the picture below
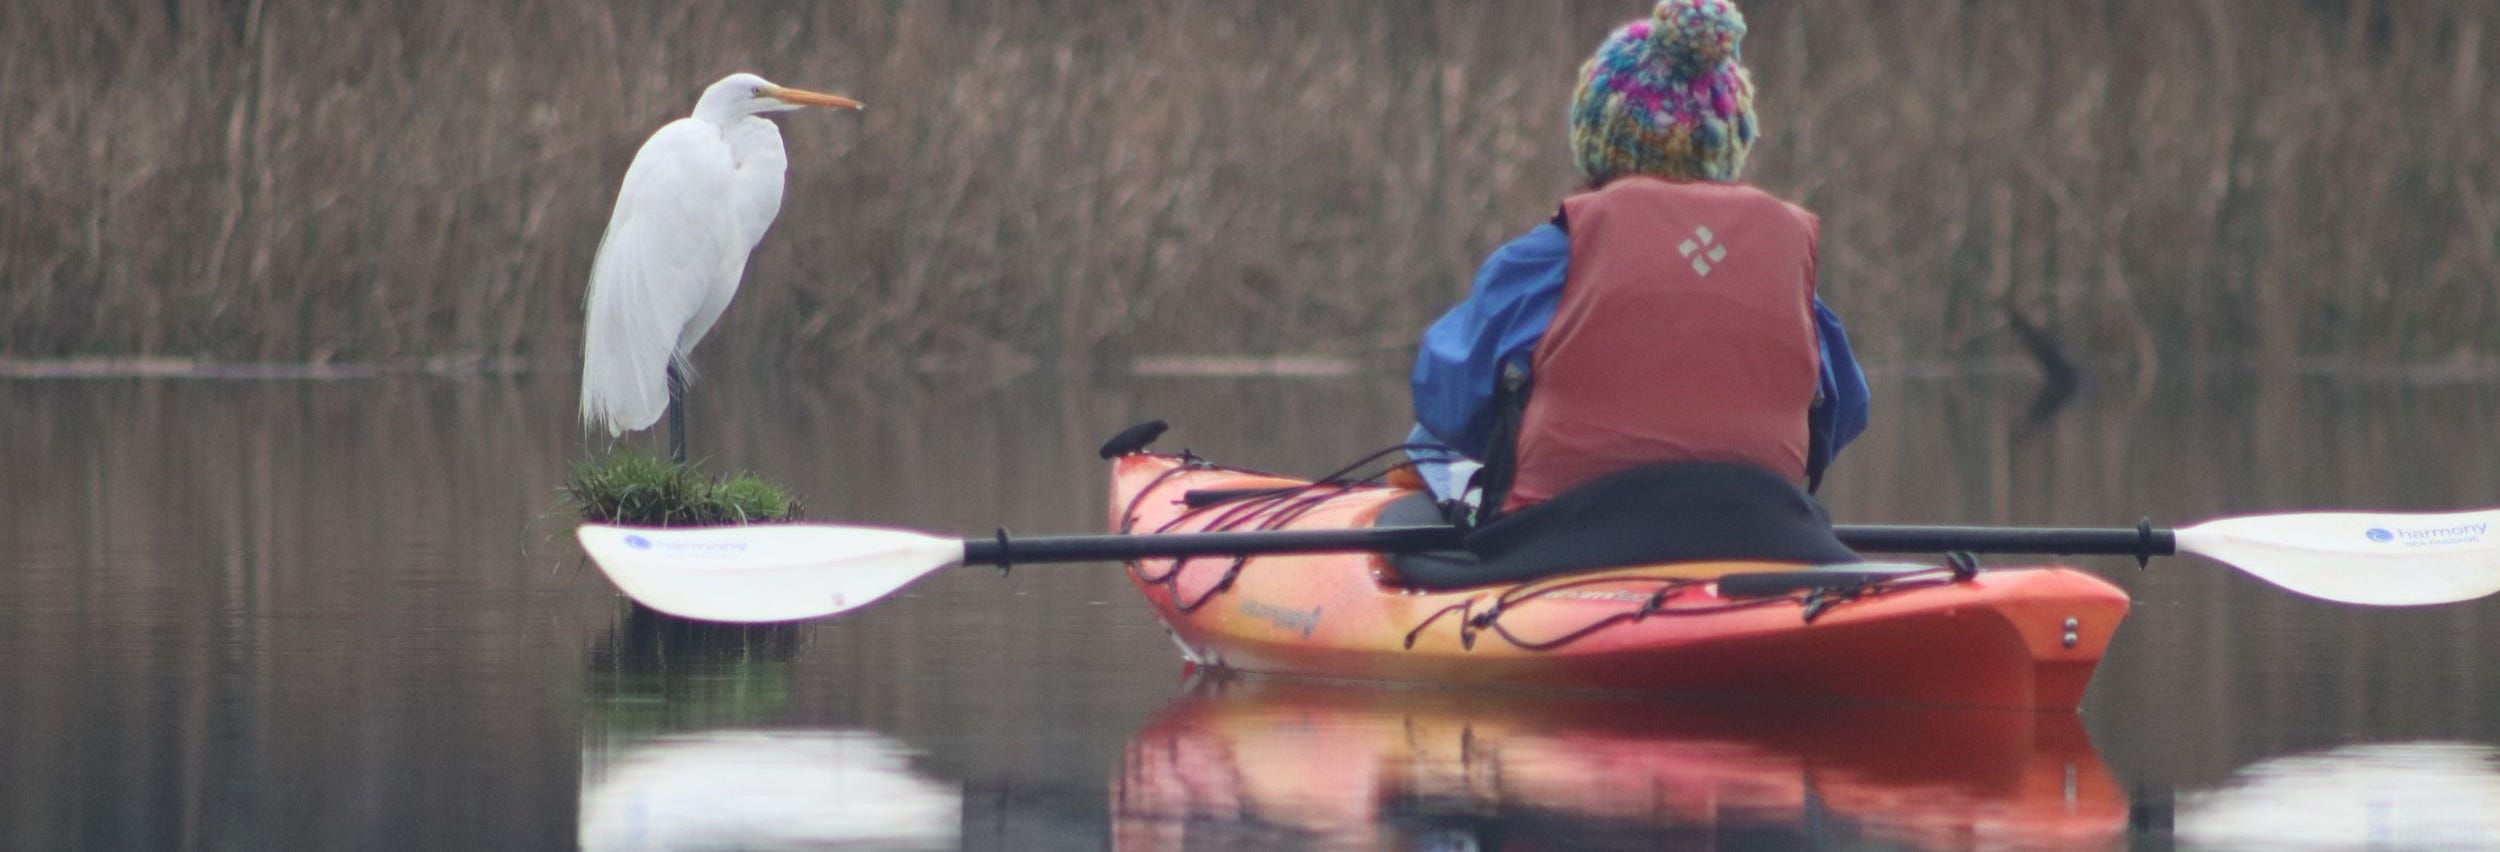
(1696, 36)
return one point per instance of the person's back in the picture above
(1668, 314)
(1717, 281)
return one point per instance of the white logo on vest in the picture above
(1699, 248)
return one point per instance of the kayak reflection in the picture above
(735, 789)
(2418, 795)
(1253, 763)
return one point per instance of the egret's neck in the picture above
(721, 109)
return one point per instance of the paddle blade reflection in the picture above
(1264, 764)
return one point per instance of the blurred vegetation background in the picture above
(2161, 184)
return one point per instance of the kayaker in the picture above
(1666, 314)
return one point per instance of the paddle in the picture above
(787, 572)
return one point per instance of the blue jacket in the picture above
(1460, 365)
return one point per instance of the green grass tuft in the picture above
(633, 487)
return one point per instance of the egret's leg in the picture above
(676, 416)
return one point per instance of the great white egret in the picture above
(699, 195)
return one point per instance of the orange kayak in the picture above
(1241, 762)
(2013, 637)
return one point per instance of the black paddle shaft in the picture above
(2143, 542)
(1004, 549)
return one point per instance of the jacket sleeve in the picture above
(1844, 412)
(1459, 367)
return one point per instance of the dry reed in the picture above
(2158, 181)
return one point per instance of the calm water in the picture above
(343, 615)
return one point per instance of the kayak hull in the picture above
(2015, 638)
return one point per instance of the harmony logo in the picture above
(686, 548)
(704, 548)
(1699, 247)
(2458, 534)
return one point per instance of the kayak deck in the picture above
(2027, 638)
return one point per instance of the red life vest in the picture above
(1685, 332)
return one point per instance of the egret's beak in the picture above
(803, 97)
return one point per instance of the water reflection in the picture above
(339, 614)
(2416, 795)
(652, 672)
(747, 789)
(1262, 764)
(668, 761)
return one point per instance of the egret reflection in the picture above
(674, 755)
(740, 789)
(2414, 795)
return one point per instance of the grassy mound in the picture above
(631, 486)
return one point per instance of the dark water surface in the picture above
(345, 615)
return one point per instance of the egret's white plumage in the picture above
(698, 197)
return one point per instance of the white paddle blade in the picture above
(2360, 557)
(764, 572)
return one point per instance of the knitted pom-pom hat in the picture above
(1667, 97)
